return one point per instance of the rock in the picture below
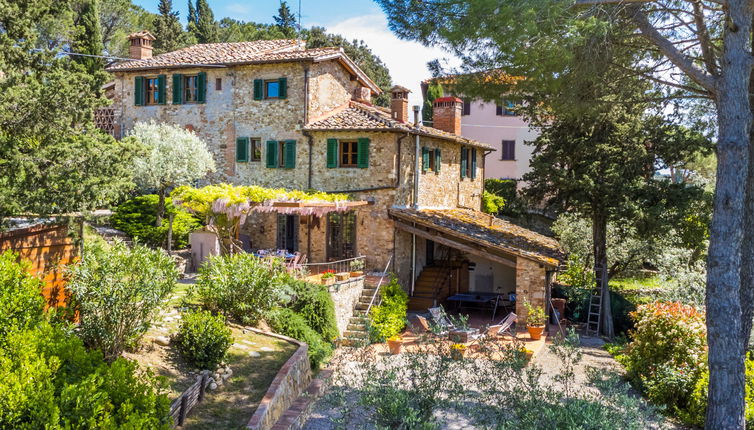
(255, 354)
(228, 370)
(220, 370)
(240, 346)
(213, 386)
(266, 348)
(168, 319)
(215, 376)
(162, 340)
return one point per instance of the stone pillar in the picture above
(530, 286)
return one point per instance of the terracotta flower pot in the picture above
(394, 346)
(357, 274)
(344, 276)
(535, 332)
(328, 281)
(457, 354)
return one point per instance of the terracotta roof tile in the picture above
(360, 116)
(495, 233)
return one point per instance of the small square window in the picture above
(256, 149)
(272, 89)
(218, 84)
(190, 89)
(349, 151)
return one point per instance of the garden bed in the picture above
(253, 358)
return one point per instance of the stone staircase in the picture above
(357, 333)
(430, 289)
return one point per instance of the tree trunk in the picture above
(747, 247)
(724, 311)
(160, 207)
(599, 240)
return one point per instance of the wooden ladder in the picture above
(594, 317)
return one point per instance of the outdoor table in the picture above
(477, 299)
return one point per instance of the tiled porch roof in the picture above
(491, 232)
(364, 117)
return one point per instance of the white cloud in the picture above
(406, 60)
(237, 10)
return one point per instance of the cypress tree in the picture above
(285, 20)
(167, 29)
(88, 38)
(202, 23)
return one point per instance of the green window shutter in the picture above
(177, 89)
(473, 163)
(362, 154)
(289, 157)
(425, 159)
(283, 82)
(332, 153)
(242, 149)
(258, 84)
(139, 91)
(463, 162)
(437, 160)
(272, 154)
(161, 96)
(201, 95)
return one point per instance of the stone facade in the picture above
(345, 295)
(530, 286)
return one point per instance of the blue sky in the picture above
(354, 19)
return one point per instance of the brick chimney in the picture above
(141, 45)
(362, 94)
(399, 103)
(446, 114)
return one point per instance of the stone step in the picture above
(362, 306)
(354, 342)
(355, 334)
(356, 327)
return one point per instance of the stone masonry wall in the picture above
(530, 286)
(345, 295)
(446, 188)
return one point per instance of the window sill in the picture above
(507, 159)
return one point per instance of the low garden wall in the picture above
(346, 294)
(291, 380)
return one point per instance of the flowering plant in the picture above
(327, 274)
(395, 338)
(458, 347)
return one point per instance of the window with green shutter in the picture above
(161, 96)
(464, 161)
(425, 159)
(272, 154)
(201, 95)
(289, 154)
(473, 163)
(258, 89)
(139, 91)
(177, 89)
(283, 88)
(363, 153)
(242, 149)
(332, 153)
(437, 160)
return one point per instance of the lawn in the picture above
(254, 359)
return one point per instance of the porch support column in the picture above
(530, 287)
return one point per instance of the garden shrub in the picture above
(241, 286)
(136, 217)
(118, 292)
(21, 298)
(287, 322)
(492, 203)
(507, 189)
(203, 339)
(389, 318)
(314, 303)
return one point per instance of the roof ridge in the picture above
(370, 111)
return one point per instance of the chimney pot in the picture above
(140, 45)
(446, 114)
(399, 103)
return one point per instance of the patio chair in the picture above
(439, 317)
(425, 325)
(295, 263)
(504, 326)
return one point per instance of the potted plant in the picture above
(343, 276)
(535, 320)
(394, 343)
(457, 350)
(328, 277)
(357, 268)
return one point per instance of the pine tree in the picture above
(434, 91)
(285, 20)
(202, 24)
(88, 38)
(168, 31)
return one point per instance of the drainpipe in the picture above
(310, 141)
(416, 199)
(308, 135)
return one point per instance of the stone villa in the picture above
(277, 114)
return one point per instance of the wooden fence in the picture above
(48, 248)
(190, 398)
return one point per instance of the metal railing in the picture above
(379, 284)
(348, 265)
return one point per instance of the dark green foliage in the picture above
(285, 20)
(508, 190)
(389, 318)
(434, 91)
(314, 303)
(242, 287)
(202, 24)
(203, 339)
(117, 291)
(136, 217)
(287, 322)
(20, 297)
(49, 380)
(89, 38)
(167, 29)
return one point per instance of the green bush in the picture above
(136, 218)
(117, 292)
(203, 339)
(507, 189)
(696, 407)
(241, 286)
(21, 298)
(389, 318)
(49, 380)
(287, 322)
(492, 203)
(314, 303)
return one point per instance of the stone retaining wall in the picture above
(291, 380)
(346, 294)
